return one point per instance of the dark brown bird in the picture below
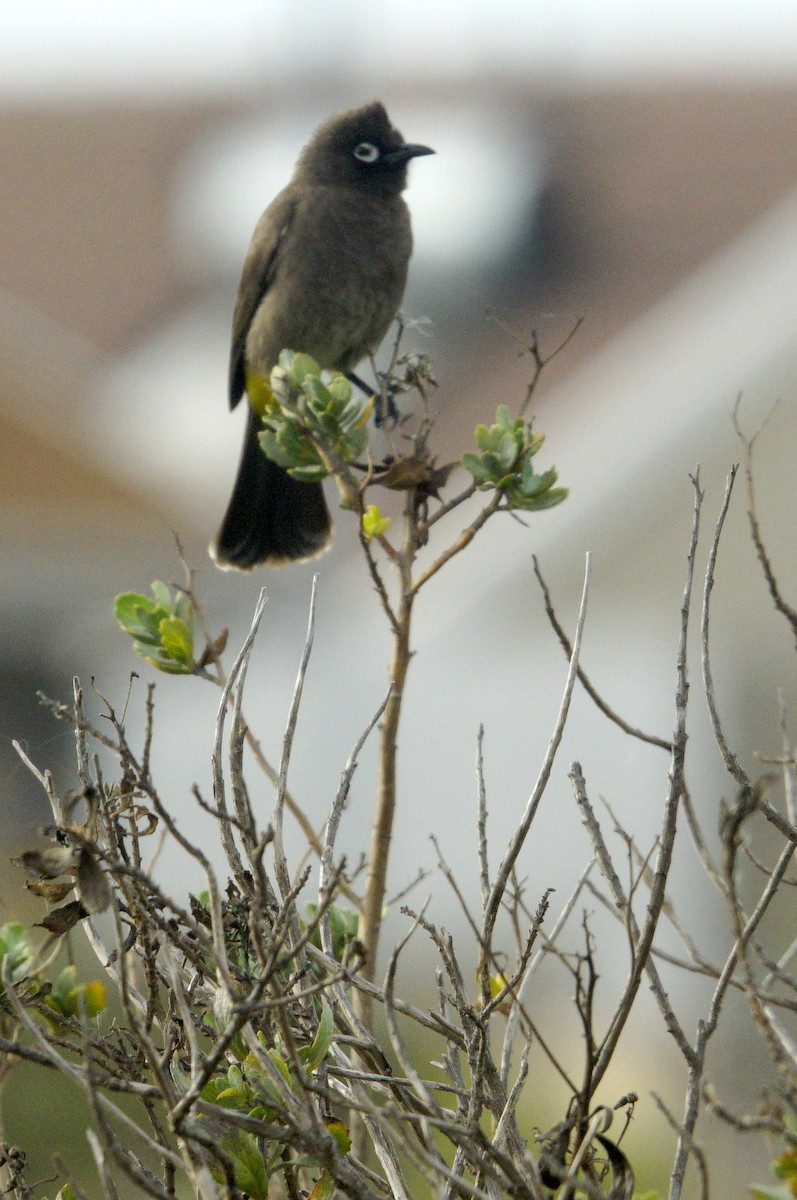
(324, 274)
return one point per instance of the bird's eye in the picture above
(367, 152)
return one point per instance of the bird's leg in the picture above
(354, 378)
(386, 408)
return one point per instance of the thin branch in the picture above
(763, 557)
(624, 908)
(280, 862)
(518, 838)
(484, 867)
(219, 793)
(336, 813)
(729, 758)
(667, 835)
(597, 699)
(694, 1147)
(464, 539)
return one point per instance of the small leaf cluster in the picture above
(308, 409)
(73, 999)
(65, 996)
(16, 960)
(374, 524)
(249, 1087)
(343, 925)
(505, 463)
(162, 628)
(16, 952)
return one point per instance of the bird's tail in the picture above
(271, 518)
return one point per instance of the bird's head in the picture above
(359, 147)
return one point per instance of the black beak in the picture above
(405, 153)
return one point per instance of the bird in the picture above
(324, 275)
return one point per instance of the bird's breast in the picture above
(339, 279)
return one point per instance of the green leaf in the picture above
(139, 616)
(163, 662)
(313, 1055)
(308, 409)
(271, 447)
(550, 499)
(341, 1135)
(300, 367)
(161, 627)
(476, 466)
(505, 465)
(236, 1076)
(182, 1081)
(276, 1160)
(72, 999)
(327, 427)
(94, 997)
(531, 484)
(210, 1092)
(15, 948)
(284, 444)
(309, 474)
(507, 452)
(357, 411)
(239, 1099)
(281, 1065)
(317, 393)
(324, 1188)
(374, 524)
(163, 597)
(64, 984)
(483, 438)
(340, 388)
(177, 639)
(354, 443)
(248, 1165)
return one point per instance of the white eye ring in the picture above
(366, 152)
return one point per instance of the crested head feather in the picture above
(329, 157)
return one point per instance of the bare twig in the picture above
(521, 833)
(582, 676)
(763, 556)
(729, 758)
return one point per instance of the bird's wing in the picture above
(258, 273)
